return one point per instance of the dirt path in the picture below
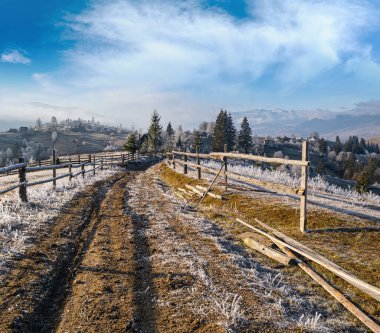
(132, 258)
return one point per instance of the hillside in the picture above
(68, 141)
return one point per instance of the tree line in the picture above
(210, 136)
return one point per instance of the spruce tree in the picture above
(155, 133)
(169, 130)
(337, 146)
(230, 132)
(245, 137)
(321, 166)
(218, 137)
(132, 144)
(197, 140)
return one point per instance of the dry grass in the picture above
(356, 251)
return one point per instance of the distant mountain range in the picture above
(301, 123)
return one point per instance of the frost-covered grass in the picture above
(208, 297)
(316, 185)
(19, 221)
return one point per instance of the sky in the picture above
(118, 60)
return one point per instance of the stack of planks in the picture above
(291, 255)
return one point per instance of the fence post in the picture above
(101, 164)
(185, 165)
(39, 162)
(225, 168)
(199, 163)
(122, 158)
(82, 168)
(22, 179)
(111, 161)
(304, 176)
(173, 160)
(53, 162)
(78, 158)
(94, 164)
(70, 172)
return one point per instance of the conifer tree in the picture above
(132, 144)
(169, 130)
(321, 166)
(155, 133)
(230, 132)
(218, 137)
(197, 140)
(337, 146)
(245, 137)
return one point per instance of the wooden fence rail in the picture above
(182, 158)
(95, 161)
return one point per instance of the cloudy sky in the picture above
(118, 60)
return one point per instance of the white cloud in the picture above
(166, 44)
(14, 57)
(130, 57)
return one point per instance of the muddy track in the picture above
(127, 256)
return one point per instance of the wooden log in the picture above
(273, 254)
(185, 192)
(192, 188)
(260, 159)
(202, 188)
(274, 187)
(257, 237)
(212, 195)
(308, 253)
(334, 292)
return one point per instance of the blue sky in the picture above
(118, 60)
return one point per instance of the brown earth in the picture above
(128, 256)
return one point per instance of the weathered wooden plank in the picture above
(274, 187)
(308, 253)
(334, 292)
(272, 160)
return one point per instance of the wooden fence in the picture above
(94, 161)
(184, 159)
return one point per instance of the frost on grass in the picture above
(321, 193)
(20, 221)
(225, 278)
(292, 178)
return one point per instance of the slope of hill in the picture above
(68, 141)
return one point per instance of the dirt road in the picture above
(128, 256)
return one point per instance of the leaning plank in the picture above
(260, 158)
(370, 290)
(334, 292)
(303, 250)
(271, 186)
(273, 254)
